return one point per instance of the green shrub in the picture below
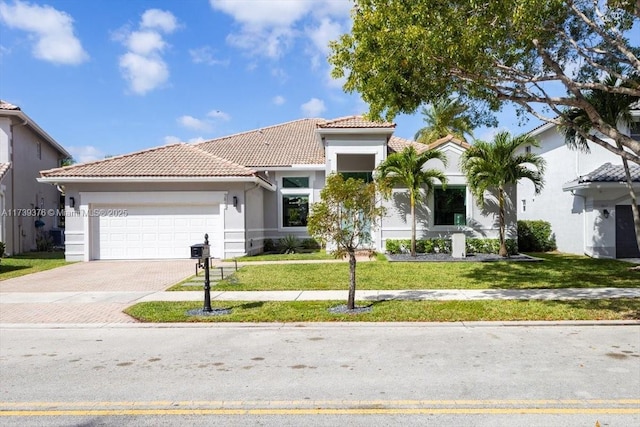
(268, 245)
(289, 244)
(535, 236)
(2, 249)
(441, 245)
(310, 244)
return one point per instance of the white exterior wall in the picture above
(575, 231)
(481, 223)
(78, 240)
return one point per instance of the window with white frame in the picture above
(450, 207)
(296, 197)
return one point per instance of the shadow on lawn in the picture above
(557, 271)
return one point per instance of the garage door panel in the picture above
(156, 232)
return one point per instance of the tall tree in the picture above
(492, 52)
(491, 167)
(344, 217)
(445, 116)
(407, 169)
(615, 109)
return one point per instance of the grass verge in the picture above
(31, 262)
(392, 311)
(303, 256)
(556, 271)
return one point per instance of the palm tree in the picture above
(406, 169)
(614, 108)
(493, 166)
(444, 117)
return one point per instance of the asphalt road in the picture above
(310, 374)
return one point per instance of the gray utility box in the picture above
(458, 245)
(199, 251)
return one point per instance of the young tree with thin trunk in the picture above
(407, 169)
(491, 167)
(344, 217)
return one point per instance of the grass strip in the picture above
(30, 262)
(555, 272)
(392, 311)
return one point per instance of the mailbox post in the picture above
(201, 252)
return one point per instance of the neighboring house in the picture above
(245, 188)
(26, 149)
(585, 198)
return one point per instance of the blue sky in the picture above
(107, 77)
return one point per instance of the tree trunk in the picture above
(351, 301)
(634, 202)
(503, 245)
(413, 227)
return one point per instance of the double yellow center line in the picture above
(322, 407)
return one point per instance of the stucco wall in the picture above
(21, 190)
(564, 211)
(234, 220)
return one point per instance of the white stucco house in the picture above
(585, 198)
(245, 188)
(26, 149)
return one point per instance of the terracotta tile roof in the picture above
(292, 143)
(354, 122)
(397, 144)
(449, 138)
(4, 168)
(7, 106)
(611, 173)
(176, 160)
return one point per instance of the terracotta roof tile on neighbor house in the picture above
(4, 168)
(292, 143)
(176, 160)
(354, 122)
(7, 106)
(611, 173)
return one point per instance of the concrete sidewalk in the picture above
(123, 297)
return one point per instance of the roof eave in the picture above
(540, 129)
(145, 179)
(368, 131)
(28, 120)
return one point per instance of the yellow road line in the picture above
(320, 411)
(322, 403)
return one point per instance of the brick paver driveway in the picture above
(83, 277)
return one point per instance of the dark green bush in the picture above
(535, 236)
(289, 244)
(441, 245)
(269, 246)
(310, 244)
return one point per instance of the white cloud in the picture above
(270, 28)
(145, 42)
(313, 108)
(86, 153)
(278, 100)
(52, 30)
(143, 66)
(191, 122)
(217, 114)
(144, 73)
(205, 55)
(170, 139)
(160, 19)
(326, 31)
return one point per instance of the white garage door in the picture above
(155, 232)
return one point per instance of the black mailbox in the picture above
(200, 251)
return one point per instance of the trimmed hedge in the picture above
(536, 236)
(440, 245)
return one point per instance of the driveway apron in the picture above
(139, 277)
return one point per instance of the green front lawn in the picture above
(30, 262)
(556, 271)
(393, 311)
(314, 255)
